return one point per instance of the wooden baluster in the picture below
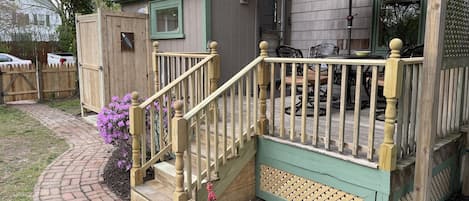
(263, 80)
(330, 78)
(224, 129)
(343, 100)
(304, 103)
(292, 102)
(373, 95)
(392, 91)
(155, 64)
(248, 105)
(317, 75)
(136, 129)
(179, 130)
(233, 122)
(459, 102)
(240, 114)
(282, 100)
(272, 98)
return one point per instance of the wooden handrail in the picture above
(368, 62)
(200, 56)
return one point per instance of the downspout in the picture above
(282, 22)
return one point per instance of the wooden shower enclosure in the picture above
(113, 57)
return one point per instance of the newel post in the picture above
(392, 92)
(213, 75)
(263, 73)
(136, 130)
(179, 132)
(214, 67)
(155, 65)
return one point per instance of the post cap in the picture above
(134, 97)
(213, 45)
(263, 45)
(178, 106)
(156, 44)
(395, 45)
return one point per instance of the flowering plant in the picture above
(113, 125)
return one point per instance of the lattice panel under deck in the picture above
(456, 39)
(441, 184)
(291, 187)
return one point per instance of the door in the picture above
(89, 63)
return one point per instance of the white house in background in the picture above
(33, 20)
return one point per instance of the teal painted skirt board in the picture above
(361, 181)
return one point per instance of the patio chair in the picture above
(290, 52)
(322, 50)
(325, 50)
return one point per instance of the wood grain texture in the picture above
(435, 21)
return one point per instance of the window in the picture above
(47, 20)
(35, 19)
(41, 19)
(404, 19)
(166, 19)
(4, 58)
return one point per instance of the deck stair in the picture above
(162, 187)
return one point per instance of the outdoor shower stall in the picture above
(113, 57)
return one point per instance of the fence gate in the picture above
(18, 82)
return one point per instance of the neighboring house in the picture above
(28, 20)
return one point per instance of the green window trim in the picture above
(383, 50)
(166, 4)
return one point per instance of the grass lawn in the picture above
(71, 106)
(26, 148)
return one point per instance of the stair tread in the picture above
(168, 168)
(155, 190)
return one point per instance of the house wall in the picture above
(193, 40)
(233, 26)
(319, 21)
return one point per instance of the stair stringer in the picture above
(230, 171)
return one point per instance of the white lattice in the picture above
(291, 187)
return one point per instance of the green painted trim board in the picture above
(349, 177)
(206, 22)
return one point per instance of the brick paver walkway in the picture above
(77, 173)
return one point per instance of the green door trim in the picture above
(206, 22)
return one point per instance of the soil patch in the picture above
(118, 180)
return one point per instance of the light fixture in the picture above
(245, 2)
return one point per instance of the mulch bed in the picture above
(118, 180)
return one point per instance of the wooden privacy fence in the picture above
(28, 82)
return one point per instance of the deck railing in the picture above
(453, 108)
(407, 109)
(151, 120)
(328, 133)
(232, 118)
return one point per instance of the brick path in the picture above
(77, 173)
